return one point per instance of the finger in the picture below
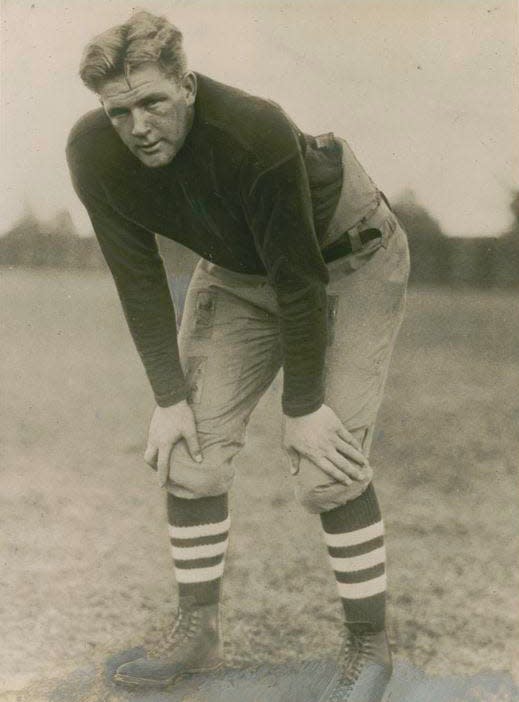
(345, 466)
(346, 436)
(193, 446)
(163, 463)
(330, 469)
(150, 456)
(350, 452)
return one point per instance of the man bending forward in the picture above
(303, 266)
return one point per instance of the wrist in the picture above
(174, 407)
(303, 414)
(172, 398)
(301, 409)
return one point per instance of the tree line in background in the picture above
(440, 259)
(435, 258)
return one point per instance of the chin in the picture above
(155, 160)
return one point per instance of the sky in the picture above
(425, 91)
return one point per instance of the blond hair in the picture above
(144, 38)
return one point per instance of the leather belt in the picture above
(355, 238)
(350, 242)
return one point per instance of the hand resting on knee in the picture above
(168, 426)
(322, 438)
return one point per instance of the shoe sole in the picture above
(387, 695)
(325, 695)
(146, 682)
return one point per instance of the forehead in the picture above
(136, 85)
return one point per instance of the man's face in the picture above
(150, 112)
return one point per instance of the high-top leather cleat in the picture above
(194, 645)
(366, 667)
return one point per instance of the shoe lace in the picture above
(186, 624)
(185, 627)
(358, 649)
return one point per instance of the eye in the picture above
(116, 112)
(154, 103)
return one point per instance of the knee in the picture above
(319, 493)
(213, 476)
(192, 480)
(324, 498)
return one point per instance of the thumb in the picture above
(294, 459)
(193, 446)
(150, 456)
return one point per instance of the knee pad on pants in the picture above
(193, 480)
(213, 476)
(318, 492)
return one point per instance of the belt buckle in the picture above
(354, 237)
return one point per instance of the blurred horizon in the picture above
(63, 219)
(436, 259)
(425, 92)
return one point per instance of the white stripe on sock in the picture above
(200, 530)
(367, 560)
(192, 553)
(357, 591)
(352, 538)
(199, 575)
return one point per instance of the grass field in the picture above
(84, 551)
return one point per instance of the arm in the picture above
(278, 206)
(132, 255)
(279, 212)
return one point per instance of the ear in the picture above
(189, 86)
(102, 105)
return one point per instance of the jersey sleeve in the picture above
(132, 255)
(278, 207)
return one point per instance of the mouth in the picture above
(149, 148)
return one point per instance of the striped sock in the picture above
(199, 535)
(354, 536)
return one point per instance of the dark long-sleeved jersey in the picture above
(247, 191)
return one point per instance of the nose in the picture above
(140, 127)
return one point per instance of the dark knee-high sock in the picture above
(354, 535)
(199, 535)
